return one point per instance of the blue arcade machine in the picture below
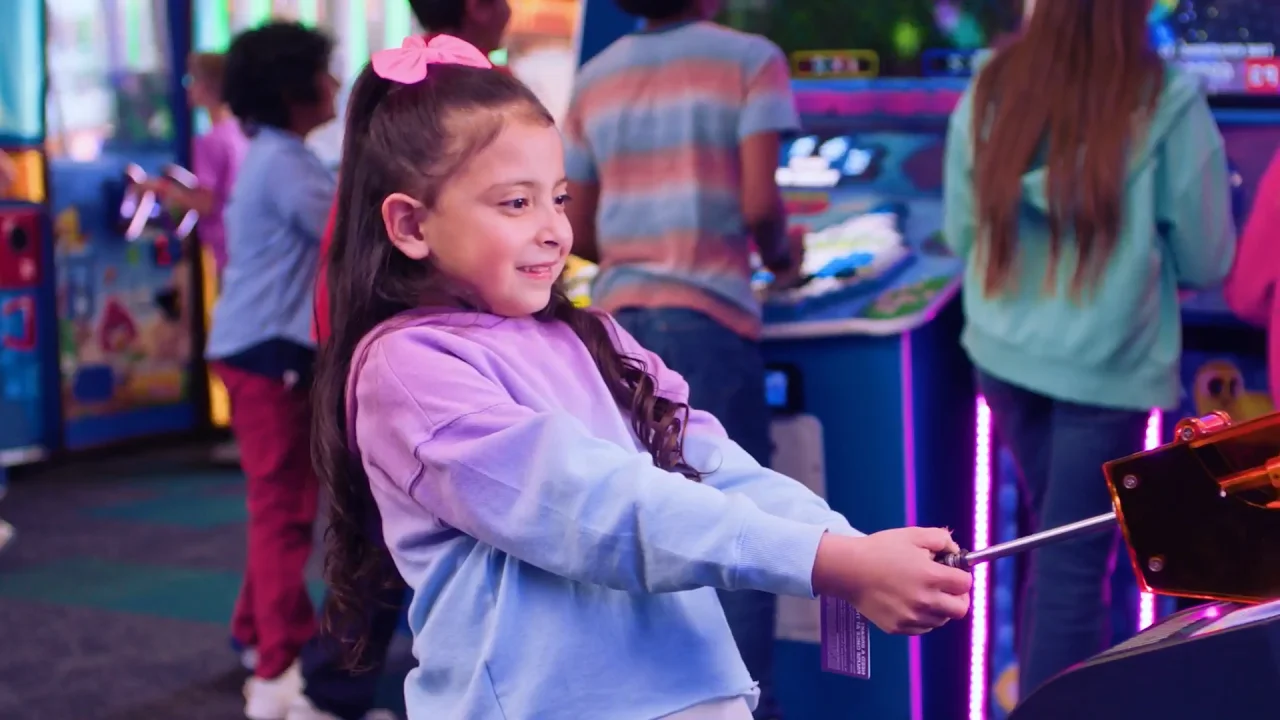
(28, 341)
(116, 113)
(884, 394)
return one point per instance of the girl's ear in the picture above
(403, 217)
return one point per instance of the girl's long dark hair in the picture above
(1074, 88)
(411, 138)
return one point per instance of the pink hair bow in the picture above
(408, 63)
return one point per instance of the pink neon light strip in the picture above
(1147, 601)
(980, 622)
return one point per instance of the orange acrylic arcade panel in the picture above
(1201, 515)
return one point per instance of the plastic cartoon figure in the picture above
(1219, 385)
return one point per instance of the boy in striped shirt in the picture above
(671, 141)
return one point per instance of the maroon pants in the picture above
(272, 425)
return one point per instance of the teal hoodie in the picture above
(1120, 345)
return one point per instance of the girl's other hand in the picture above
(892, 578)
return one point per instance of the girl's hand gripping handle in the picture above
(893, 579)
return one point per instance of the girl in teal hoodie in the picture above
(1086, 183)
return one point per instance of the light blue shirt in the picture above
(557, 574)
(274, 219)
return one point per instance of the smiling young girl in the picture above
(561, 514)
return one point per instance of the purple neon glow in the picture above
(915, 669)
(980, 623)
(1147, 601)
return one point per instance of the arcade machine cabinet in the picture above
(28, 345)
(127, 352)
(1224, 364)
(874, 397)
(26, 362)
(1224, 361)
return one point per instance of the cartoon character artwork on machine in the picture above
(124, 308)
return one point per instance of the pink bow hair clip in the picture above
(408, 63)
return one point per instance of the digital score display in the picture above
(835, 64)
(942, 62)
(1262, 75)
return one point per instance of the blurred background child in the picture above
(260, 344)
(216, 157)
(1080, 209)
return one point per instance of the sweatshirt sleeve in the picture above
(1194, 203)
(959, 219)
(728, 467)
(1251, 285)
(542, 488)
(732, 470)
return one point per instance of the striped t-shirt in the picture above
(656, 121)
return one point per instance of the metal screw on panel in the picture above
(1130, 482)
(1187, 434)
(1155, 564)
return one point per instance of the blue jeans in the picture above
(1059, 448)
(725, 372)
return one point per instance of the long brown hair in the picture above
(412, 138)
(1072, 91)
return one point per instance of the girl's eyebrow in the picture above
(526, 183)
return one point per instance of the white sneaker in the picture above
(7, 534)
(271, 699)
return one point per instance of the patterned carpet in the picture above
(115, 595)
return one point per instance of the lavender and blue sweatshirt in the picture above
(556, 572)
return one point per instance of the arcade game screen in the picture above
(1230, 44)
(912, 38)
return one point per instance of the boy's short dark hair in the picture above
(439, 15)
(273, 68)
(654, 9)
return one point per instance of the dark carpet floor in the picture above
(116, 593)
